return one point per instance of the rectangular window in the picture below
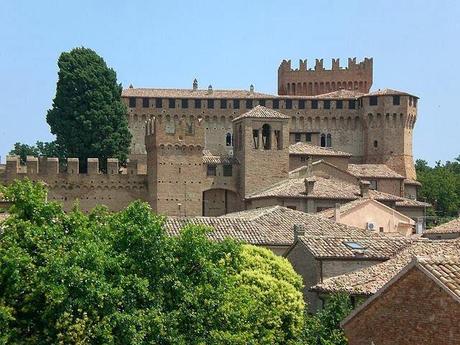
(132, 102)
(184, 103)
(297, 137)
(228, 170)
(351, 104)
(236, 104)
(373, 184)
(396, 100)
(145, 102)
(327, 104)
(210, 104)
(249, 104)
(373, 100)
(308, 138)
(197, 103)
(276, 104)
(255, 138)
(339, 104)
(223, 104)
(158, 103)
(211, 170)
(172, 103)
(302, 104)
(289, 104)
(314, 104)
(262, 102)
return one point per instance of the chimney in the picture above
(195, 84)
(209, 89)
(298, 231)
(364, 188)
(337, 213)
(251, 89)
(309, 184)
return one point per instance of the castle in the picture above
(210, 152)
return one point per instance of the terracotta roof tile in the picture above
(209, 158)
(368, 280)
(190, 93)
(372, 170)
(447, 228)
(387, 92)
(262, 112)
(445, 269)
(315, 150)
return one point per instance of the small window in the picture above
(197, 103)
(185, 103)
(172, 103)
(228, 170)
(329, 140)
(210, 104)
(266, 137)
(314, 104)
(308, 138)
(276, 104)
(289, 104)
(351, 104)
(373, 100)
(262, 102)
(255, 138)
(381, 229)
(302, 104)
(211, 171)
(339, 104)
(228, 139)
(132, 102)
(396, 100)
(158, 103)
(249, 104)
(327, 104)
(376, 143)
(297, 137)
(323, 140)
(223, 104)
(354, 245)
(236, 104)
(145, 102)
(373, 184)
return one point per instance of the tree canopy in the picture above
(45, 149)
(88, 116)
(118, 278)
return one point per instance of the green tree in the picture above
(88, 116)
(118, 278)
(45, 149)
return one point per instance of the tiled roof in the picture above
(445, 269)
(413, 182)
(262, 112)
(375, 247)
(324, 188)
(412, 203)
(368, 280)
(341, 94)
(372, 170)
(387, 92)
(190, 93)
(315, 150)
(209, 158)
(450, 227)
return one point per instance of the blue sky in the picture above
(231, 44)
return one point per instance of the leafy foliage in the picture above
(50, 149)
(88, 116)
(323, 328)
(441, 188)
(118, 278)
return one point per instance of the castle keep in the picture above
(210, 152)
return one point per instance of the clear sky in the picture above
(231, 44)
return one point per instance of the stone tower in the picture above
(261, 141)
(311, 82)
(389, 117)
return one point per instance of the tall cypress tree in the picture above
(88, 116)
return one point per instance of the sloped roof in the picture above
(301, 148)
(262, 112)
(373, 170)
(388, 92)
(190, 93)
(447, 228)
(445, 269)
(209, 158)
(341, 94)
(369, 280)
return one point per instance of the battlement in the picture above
(306, 81)
(50, 166)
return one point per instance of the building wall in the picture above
(414, 310)
(391, 186)
(336, 267)
(297, 161)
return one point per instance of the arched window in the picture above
(323, 140)
(228, 139)
(266, 136)
(329, 140)
(376, 143)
